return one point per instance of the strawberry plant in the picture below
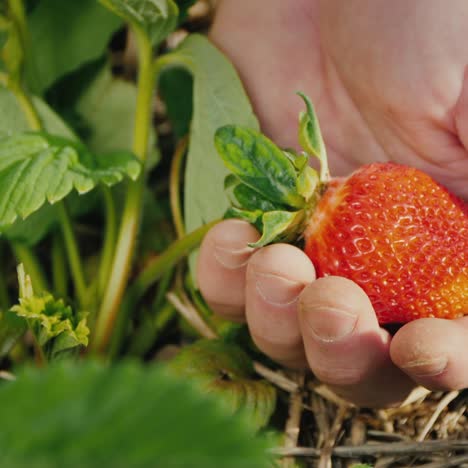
(92, 241)
(108, 117)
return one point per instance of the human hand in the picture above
(378, 97)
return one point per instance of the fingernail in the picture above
(426, 367)
(329, 324)
(232, 258)
(276, 289)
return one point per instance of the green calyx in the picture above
(273, 189)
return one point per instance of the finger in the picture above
(433, 352)
(276, 275)
(345, 346)
(221, 267)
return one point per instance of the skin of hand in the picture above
(389, 82)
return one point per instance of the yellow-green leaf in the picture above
(310, 137)
(56, 327)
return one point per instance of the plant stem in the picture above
(151, 330)
(163, 287)
(39, 354)
(174, 186)
(109, 241)
(41, 360)
(71, 246)
(152, 273)
(17, 12)
(132, 210)
(14, 83)
(120, 268)
(27, 107)
(32, 266)
(168, 259)
(59, 270)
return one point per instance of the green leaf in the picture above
(11, 329)
(36, 226)
(310, 137)
(259, 163)
(218, 99)
(226, 370)
(278, 227)
(65, 35)
(108, 107)
(242, 196)
(54, 325)
(299, 160)
(35, 167)
(126, 415)
(307, 182)
(156, 19)
(13, 120)
(252, 217)
(175, 87)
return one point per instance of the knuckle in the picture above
(332, 374)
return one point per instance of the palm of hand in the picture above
(382, 90)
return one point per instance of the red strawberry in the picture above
(399, 235)
(390, 228)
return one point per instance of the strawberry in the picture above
(399, 235)
(390, 228)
